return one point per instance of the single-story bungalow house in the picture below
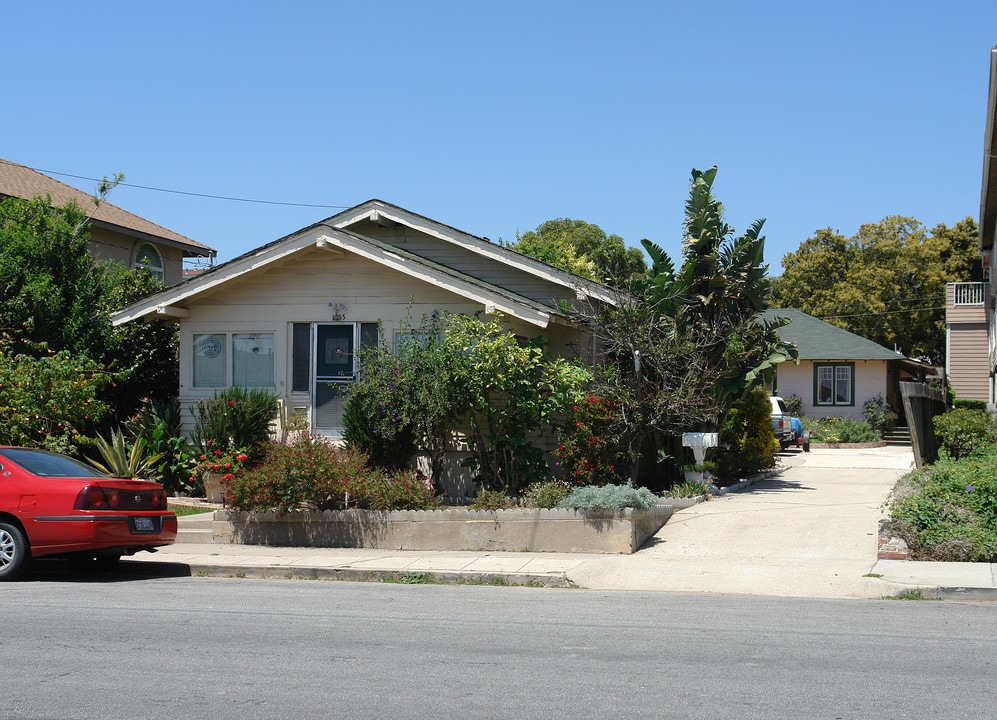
(290, 316)
(839, 370)
(115, 234)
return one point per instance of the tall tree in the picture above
(583, 249)
(689, 342)
(885, 283)
(49, 286)
(56, 299)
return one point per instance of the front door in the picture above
(335, 369)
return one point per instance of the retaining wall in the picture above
(529, 530)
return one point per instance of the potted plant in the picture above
(215, 467)
(700, 472)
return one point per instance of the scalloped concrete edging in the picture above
(528, 530)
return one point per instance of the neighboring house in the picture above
(115, 234)
(291, 315)
(970, 317)
(988, 227)
(966, 343)
(839, 370)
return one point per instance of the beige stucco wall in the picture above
(870, 381)
(107, 245)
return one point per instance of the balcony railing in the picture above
(970, 293)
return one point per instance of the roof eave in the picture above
(988, 193)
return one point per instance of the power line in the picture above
(200, 195)
(885, 312)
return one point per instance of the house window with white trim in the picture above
(233, 359)
(148, 258)
(834, 384)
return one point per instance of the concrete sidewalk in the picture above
(809, 531)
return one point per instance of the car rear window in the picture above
(47, 464)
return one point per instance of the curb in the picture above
(282, 572)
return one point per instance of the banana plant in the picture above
(122, 461)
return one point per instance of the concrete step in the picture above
(195, 528)
(898, 437)
(186, 536)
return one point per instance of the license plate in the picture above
(144, 524)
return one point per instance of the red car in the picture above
(54, 506)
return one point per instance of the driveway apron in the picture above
(809, 531)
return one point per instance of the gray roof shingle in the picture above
(818, 340)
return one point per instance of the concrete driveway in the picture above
(810, 531)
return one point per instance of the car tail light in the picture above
(94, 497)
(91, 498)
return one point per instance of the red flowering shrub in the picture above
(313, 474)
(589, 450)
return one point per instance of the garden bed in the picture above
(848, 446)
(527, 530)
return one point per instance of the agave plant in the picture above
(122, 461)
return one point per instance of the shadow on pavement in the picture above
(45, 570)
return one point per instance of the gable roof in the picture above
(23, 182)
(818, 340)
(170, 303)
(381, 212)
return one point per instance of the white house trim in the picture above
(377, 211)
(493, 302)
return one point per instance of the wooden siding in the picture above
(962, 313)
(465, 261)
(305, 288)
(967, 360)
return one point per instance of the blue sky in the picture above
(494, 117)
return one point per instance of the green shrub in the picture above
(546, 494)
(688, 489)
(794, 404)
(839, 430)
(969, 404)
(311, 473)
(491, 500)
(747, 443)
(609, 497)
(235, 417)
(399, 490)
(160, 425)
(948, 511)
(589, 450)
(51, 402)
(962, 432)
(879, 415)
(381, 412)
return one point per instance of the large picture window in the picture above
(239, 359)
(834, 384)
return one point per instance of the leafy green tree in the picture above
(144, 357)
(54, 298)
(692, 344)
(885, 283)
(406, 399)
(49, 286)
(510, 389)
(583, 249)
(460, 374)
(52, 401)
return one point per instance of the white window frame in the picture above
(157, 268)
(226, 346)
